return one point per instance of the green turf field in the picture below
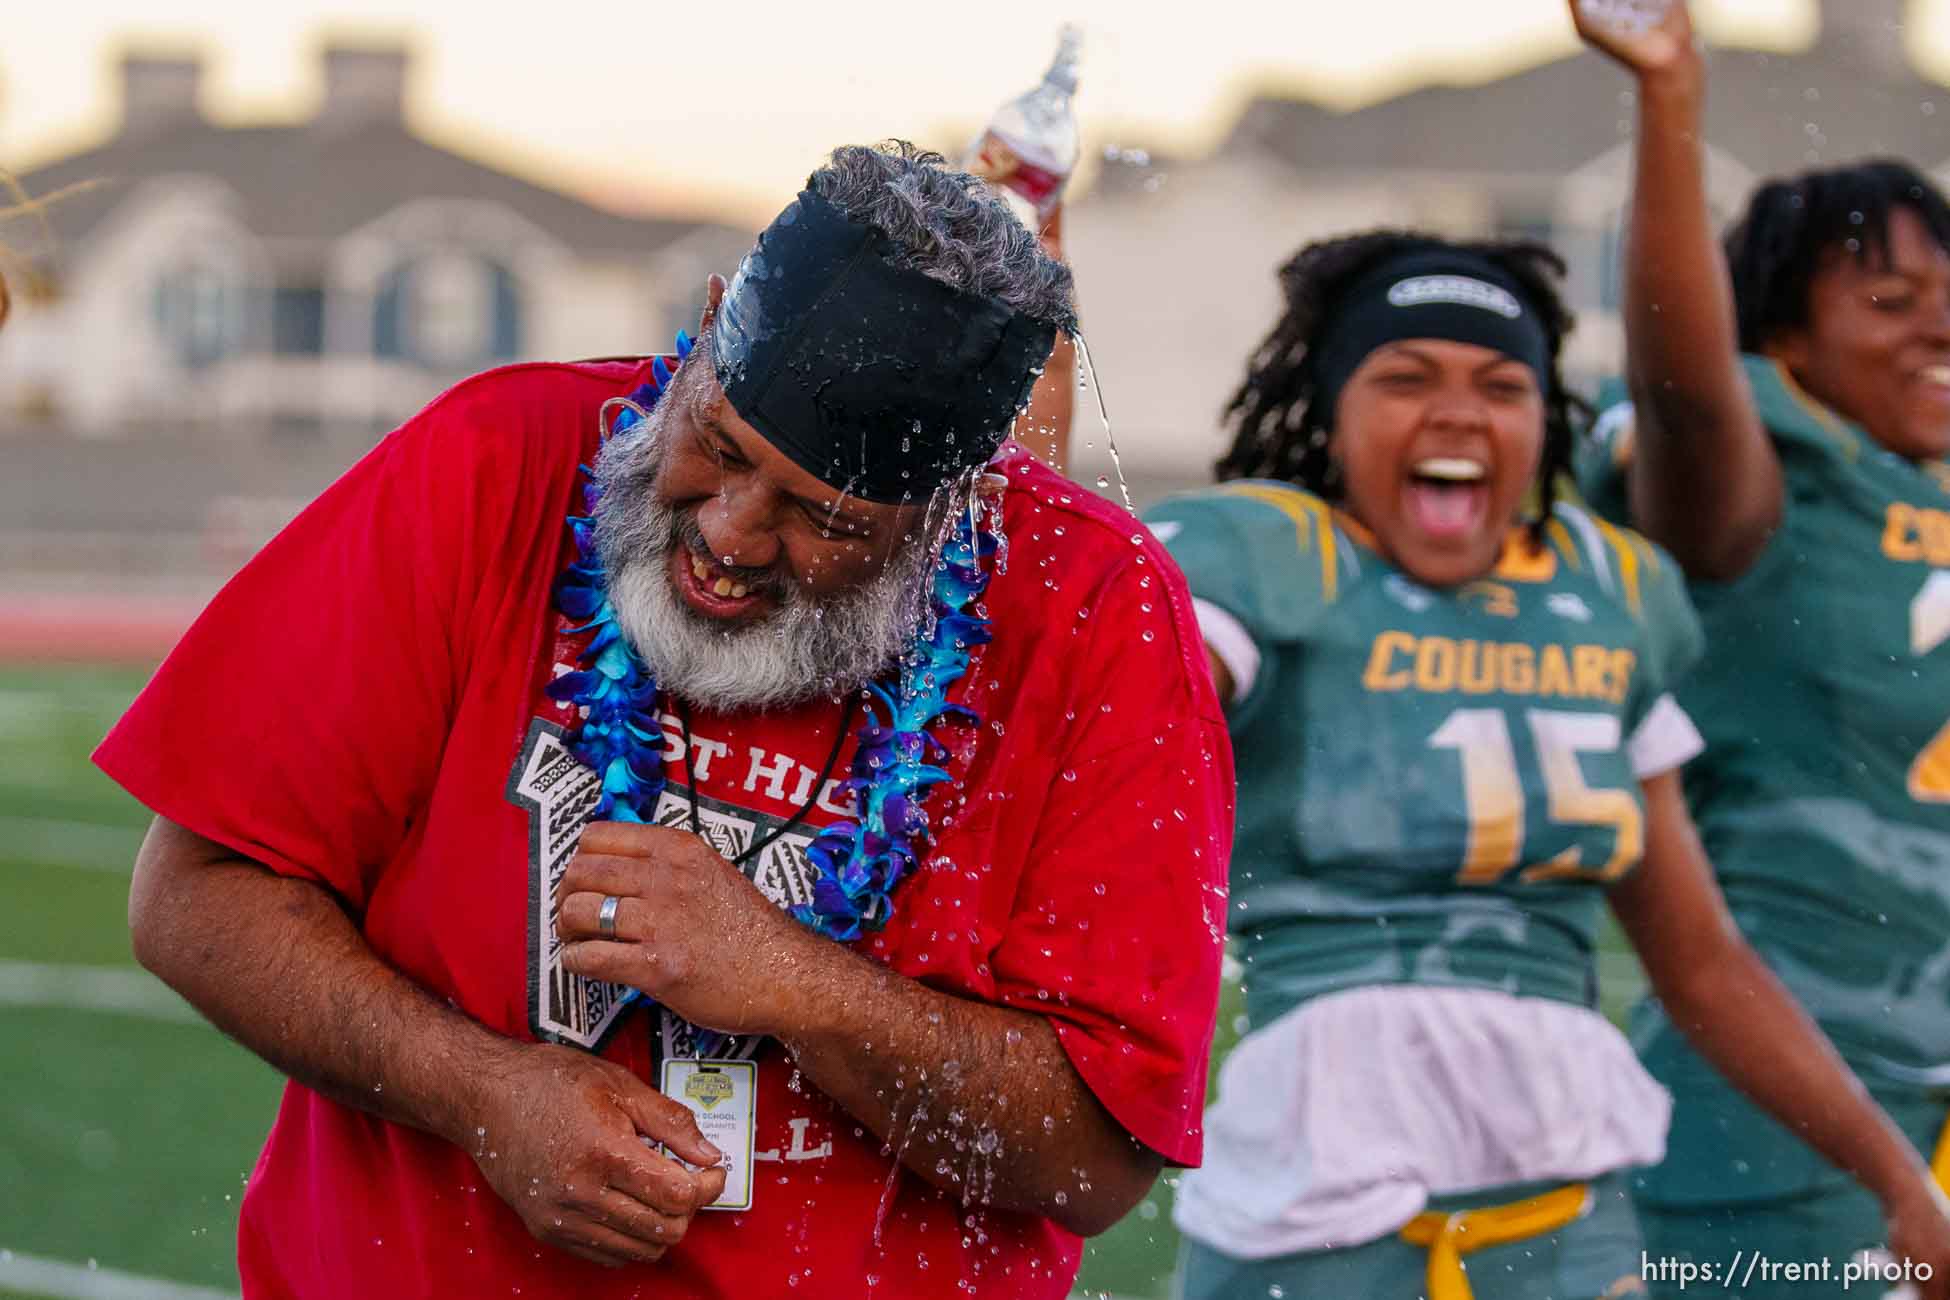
(127, 1127)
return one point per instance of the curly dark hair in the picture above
(1278, 432)
(1776, 247)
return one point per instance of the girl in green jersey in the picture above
(1786, 444)
(1456, 742)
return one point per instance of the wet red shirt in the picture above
(357, 707)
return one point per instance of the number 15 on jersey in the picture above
(1494, 795)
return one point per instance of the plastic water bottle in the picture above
(1030, 146)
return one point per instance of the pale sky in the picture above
(723, 105)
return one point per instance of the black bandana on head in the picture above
(874, 378)
(1432, 294)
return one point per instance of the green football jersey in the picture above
(1823, 795)
(1433, 783)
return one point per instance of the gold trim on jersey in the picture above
(1354, 528)
(1561, 538)
(1309, 515)
(1626, 548)
(1522, 560)
(1317, 525)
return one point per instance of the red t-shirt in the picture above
(357, 709)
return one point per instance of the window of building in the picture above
(197, 309)
(451, 306)
(298, 320)
(449, 309)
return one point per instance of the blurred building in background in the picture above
(323, 275)
(1176, 262)
(230, 315)
(217, 319)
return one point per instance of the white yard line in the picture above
(34, 707)
(112, 989)
(85, 846)
(57, 1277)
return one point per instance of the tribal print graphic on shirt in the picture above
(559, 791)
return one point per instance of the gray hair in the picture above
(949, 226)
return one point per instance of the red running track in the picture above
(109, 628)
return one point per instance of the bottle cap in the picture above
(1063, 68)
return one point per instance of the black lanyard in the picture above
(825, 774)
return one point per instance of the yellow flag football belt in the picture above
(1449, 1237)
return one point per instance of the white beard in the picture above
(803, 649)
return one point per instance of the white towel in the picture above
(1336, 1123)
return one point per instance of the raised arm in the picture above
(276, 963)
(1738, 1016)
(1705, 481)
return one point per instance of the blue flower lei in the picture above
(858, 864)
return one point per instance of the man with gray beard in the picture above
(802, 648)
(785, 857)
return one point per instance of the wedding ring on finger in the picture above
(606, 916)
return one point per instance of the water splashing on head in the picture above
(1087, 377)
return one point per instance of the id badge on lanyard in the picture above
(722, 1096)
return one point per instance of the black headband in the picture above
(874, 378)
(1436, 294)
